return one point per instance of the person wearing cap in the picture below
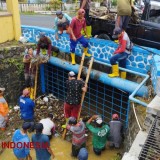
(27, 106)
(85, 4)
(124, 11)
(78, 135)
(75, 87)
(45, 43)
(121, 53)
(77, 24)
(116, 131)
(43, 151)
(29, 70)
(100, 133)
(61, 23)
(48, 126)
(20, 136)
(4, 110)
(83, 154)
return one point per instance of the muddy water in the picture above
(62, 150)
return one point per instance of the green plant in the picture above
(114, 2)
(48, 8)
(55, 4)
(12, 62)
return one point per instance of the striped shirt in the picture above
(78, 136)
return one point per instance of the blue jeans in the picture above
(121, 58)
(73, 43)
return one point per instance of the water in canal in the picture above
(62, 151)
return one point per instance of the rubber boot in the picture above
(123, 75)
(86, 52)
(55, 54)
(65, 125)
(115, 71)
(73, 58)
(32, 93)
(89, 31)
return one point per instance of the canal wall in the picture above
(12, 71)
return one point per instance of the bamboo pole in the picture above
(36, 79)
(86, 82)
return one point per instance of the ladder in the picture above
(86, 82)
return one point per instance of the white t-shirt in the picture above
(47, 126)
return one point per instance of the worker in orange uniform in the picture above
(3, 110)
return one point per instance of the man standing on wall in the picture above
(3, 110)
(27, 108)
(85, 4)
(76, 26)
(124, 11)
(73, 99)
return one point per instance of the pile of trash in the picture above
(105, 14)
(44, 104)
(102, 13)
(50, 104)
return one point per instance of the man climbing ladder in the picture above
(75, 96)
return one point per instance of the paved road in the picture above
(46, 21)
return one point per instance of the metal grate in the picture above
(100, 98)
(151, 148)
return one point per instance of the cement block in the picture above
(153, 107)
(128, 156)
(136, 146)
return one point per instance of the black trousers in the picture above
(98, 151)
(76, 149)
(88, 19)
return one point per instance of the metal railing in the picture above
(151, 148)
(100, 98)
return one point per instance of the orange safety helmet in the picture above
(115, 116)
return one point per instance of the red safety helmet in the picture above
(115, 116)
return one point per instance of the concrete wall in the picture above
(10, 22)
(11, 72)
(6, 27)
(140, 59)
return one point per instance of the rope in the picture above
(136, 117)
